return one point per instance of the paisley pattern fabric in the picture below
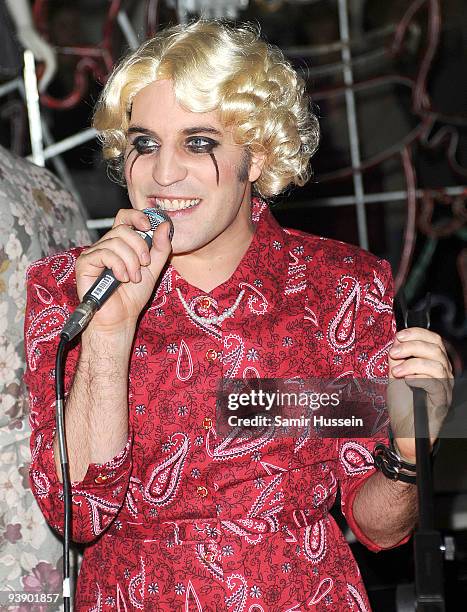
(183, 519)
(38, 217)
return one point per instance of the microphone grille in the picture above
(157, 216)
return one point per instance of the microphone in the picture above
(106, 284)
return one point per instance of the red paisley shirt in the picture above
(182, 519)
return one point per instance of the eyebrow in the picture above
(206, 129)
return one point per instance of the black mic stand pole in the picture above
(428, 594)
(428, 545)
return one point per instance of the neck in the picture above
(209, 267)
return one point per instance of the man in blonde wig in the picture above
(208, 122)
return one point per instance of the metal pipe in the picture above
(373, 198)
(61, 169)
(352, 125)
(7, 88)
(93, 224)
(182, 13)
(317, 50)
(32, 105)
(365, 59)
(69, 143)
(128, 30)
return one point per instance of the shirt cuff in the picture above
(102, 475)
(98, 477)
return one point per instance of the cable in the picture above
(95, 297)
(60, 422)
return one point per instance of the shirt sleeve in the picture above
(375, 329)
(97, 499)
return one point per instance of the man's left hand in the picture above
(418, 358)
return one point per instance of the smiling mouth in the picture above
(174, 205)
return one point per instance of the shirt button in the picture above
(202, 491)
(211, 355)
(207, 423)
(100, 479)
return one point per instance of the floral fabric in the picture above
(38, 217)
(182, 519)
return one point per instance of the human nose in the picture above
(168, 168)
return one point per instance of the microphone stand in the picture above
(428, 593)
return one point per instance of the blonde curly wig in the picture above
(215, 66)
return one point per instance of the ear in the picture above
(256, 166)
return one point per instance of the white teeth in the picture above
(173, 205)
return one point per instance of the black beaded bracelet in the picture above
(391, 464)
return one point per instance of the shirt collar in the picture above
(262, 268)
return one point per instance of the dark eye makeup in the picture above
(145, 145)
(208, 144)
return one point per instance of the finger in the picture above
(433, 386)
(400, 404)
(125, 252)
(437, 403)
(422, 348)
(92, 261)
(423, 335)
(161, 249)
(419, 365)
(133, 218)
(419, 348)
(419, 333)
(424, 368)
(132, 238)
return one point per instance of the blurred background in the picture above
(388, 83)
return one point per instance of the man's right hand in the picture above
(135, 265)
